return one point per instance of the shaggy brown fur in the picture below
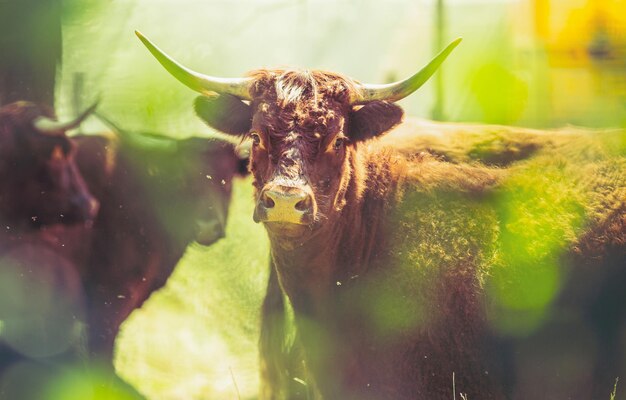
(408, 267)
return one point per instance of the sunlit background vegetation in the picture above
(533, 63)
(536, 63)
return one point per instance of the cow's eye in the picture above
(339, 142)
(256, 139)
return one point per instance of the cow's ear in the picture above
(373, 119)
(225, 113)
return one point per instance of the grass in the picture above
(197, 337)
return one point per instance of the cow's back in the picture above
(479, 256)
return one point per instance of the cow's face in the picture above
(304, 135)
(211, 166)
(299, 154)
(39, 180)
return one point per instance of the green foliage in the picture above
(614, 389)
(41, 381)
(500, 94)
(75, 384)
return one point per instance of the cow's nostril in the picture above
(268, 202)
(304, 205)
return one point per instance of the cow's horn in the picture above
(49, 126)
(148, 141)
(398, 90)
(207, 85)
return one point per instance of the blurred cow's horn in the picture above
(156, 142)
(398, 90)
(49, 126)
(207, 85)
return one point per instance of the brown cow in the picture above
(157, 196)
(407, 273)
(44, 206)
(42, 192)
(40, 184)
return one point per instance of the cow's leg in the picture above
(282, 365)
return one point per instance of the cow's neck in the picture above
(305, 269)
(312, 270)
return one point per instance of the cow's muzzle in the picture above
(209, 231)
(278, 203)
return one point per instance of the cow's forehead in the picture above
(294, 85)
(305, 101)
(303, 117)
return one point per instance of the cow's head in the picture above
(203, 183)
(304, 133)
(39, 181)
(305, 127)
(189, 180)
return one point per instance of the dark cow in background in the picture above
(45, 207)
(157, 195)
(40, 182)
(410, 275)
(67, 268)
